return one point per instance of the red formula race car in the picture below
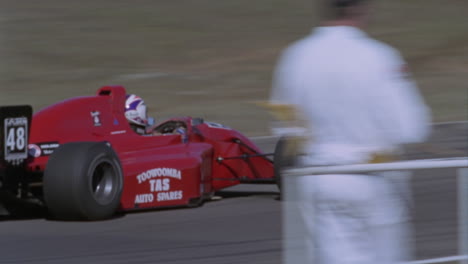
(81, 160)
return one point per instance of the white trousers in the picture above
(353, 219)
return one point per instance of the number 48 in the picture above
(16, 138)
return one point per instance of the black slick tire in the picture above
(83, 181)
(282, 159)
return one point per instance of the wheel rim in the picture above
(104, 182)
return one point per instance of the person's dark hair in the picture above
(340, 9)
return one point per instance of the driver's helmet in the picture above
(135, 110)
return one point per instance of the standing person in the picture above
(355, 95)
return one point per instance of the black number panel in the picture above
(15, 123)
(16, 138)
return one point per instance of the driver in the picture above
(136, 114)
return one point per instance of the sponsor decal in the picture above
(34, 150)
(159, 180)
(47, 148)
(159, 172)
(96, 119)
(160, 197)
(118, 132)
(169, 196)
(16, 121)
(144, 198)
(42, 148)
(160, 185)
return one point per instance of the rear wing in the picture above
(15, 124)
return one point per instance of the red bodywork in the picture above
(158, 171)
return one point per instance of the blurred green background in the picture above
(208, 58)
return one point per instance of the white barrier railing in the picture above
(290, 218)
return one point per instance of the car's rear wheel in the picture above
(83, 181)
(282, 158)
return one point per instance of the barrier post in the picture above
(294, 246)
(294, 250)
(462, 185)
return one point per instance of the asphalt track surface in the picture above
(242, 227)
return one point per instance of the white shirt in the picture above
(353, 92)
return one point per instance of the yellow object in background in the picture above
(282, 112)
(288, 120)
(383, 158)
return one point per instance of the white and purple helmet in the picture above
(135, 110)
